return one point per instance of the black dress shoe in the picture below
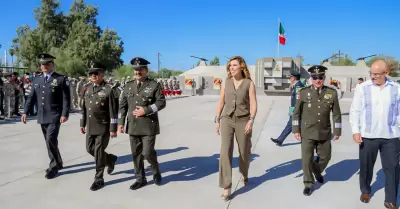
(157, 179)
(60, 167)
(51, 174)
(307, 191)
(320, 179)
(97, 185)
(138, 185)
(276, 142)
(111, 167)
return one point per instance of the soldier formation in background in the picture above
(14, 90)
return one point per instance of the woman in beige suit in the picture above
(238, 100)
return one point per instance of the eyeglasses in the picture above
(321, 77)
(376, 74)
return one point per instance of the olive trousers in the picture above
(233, 127)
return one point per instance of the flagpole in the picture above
(279, 21)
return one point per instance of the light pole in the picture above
(158, 62)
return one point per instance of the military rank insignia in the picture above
(328, 96)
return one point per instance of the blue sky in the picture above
(179, 29)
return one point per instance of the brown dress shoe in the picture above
(390, 205)
(365, 198)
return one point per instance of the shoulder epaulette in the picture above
(328, 87)
(304, 87)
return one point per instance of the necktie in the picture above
(139, 85)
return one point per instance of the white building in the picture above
(271, 75)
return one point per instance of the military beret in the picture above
(139, 63)
(317, 70)
(96, 66)
(45, 58)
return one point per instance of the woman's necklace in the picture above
(237, 83)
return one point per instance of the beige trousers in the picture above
(233, 127)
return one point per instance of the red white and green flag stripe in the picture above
(282, 38)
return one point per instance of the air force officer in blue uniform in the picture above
(52, 94)
(297, 85)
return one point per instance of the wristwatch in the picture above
(216, 119)
(252, 119)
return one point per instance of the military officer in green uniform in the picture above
(99, 121)
(140, 102)
(311, 124)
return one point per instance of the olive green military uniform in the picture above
(142, 130)
(311, 118)
(100, 116)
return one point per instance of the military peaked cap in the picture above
(317, 70)
(139, 63)
(45, 58)
(96, 66)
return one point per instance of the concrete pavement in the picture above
(188, 150)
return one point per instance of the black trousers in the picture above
(143, 148)
(2, 102)
(96, 146)
(389, 150)
(286, 131)
(50, 132)
(30, 110)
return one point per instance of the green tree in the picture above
(126, 70)
(393, 62)
(343, 61)
(215, 61)
(75, 36)
(68, 64)
(166, 73)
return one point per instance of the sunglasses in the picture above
(321, 77)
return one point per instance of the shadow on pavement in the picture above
(341, 171)
(194, 168)
(279, 171)
(190, 169)
(121, 160)
(290, 144)
(379, 184)
(16, 119)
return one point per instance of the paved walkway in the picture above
(188, 151)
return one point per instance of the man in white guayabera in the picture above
(375, 123)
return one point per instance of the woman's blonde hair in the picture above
(243, 67)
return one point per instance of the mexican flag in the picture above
(282, 39)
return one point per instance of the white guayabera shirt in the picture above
(374, 112)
